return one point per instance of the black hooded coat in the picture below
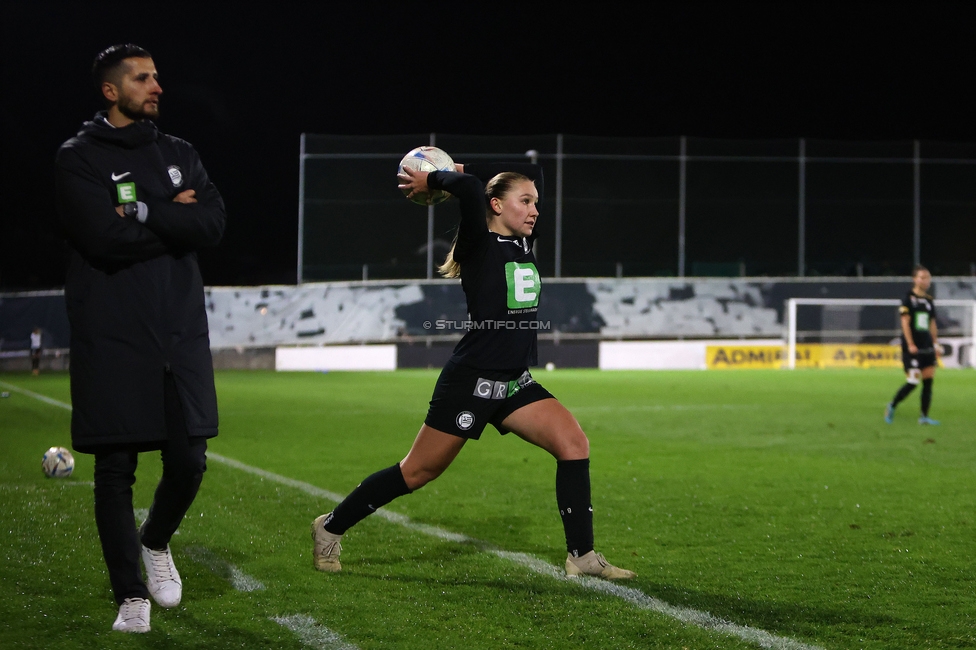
(134, 294)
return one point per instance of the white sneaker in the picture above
(326, 547)
(162, 578)
(133, 616)
(594, 564)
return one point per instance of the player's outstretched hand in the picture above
(414, 181)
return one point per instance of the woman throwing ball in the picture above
(487, 380)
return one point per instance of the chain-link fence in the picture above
(657, 206)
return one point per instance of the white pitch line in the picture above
(636, 597)
(237, 578)
(37, 396)
(312, 634)
(666, 407)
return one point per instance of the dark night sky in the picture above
(242, 85)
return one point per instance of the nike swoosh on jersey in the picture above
(509, 241)
(119, 176)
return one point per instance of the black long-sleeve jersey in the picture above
(499, 276)
(921, 312)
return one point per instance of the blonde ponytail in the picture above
(450, 268)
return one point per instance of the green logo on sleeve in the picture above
(127, 192)
(922, 320)
(523, 285)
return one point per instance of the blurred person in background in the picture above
(35, 351)
(920, 349)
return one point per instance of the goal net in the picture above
(864, 333)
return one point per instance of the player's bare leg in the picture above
(549, 425)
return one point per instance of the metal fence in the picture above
(677, 206)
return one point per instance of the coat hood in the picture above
(135, 135)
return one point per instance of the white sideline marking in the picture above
(310, 633)
(42, 487)
(237, 578)
(37, 396)
(636, 597)
(315, 491)
(666, 407)
(684, 614)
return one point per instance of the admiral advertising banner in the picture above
(851, 355)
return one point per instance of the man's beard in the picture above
(134, 111)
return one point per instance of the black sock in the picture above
(902, 393)
(926, 396)
(573, 499)
(374, 492)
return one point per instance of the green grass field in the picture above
(778, 502)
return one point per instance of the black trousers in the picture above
(184, 462)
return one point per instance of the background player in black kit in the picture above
(487, 378)
(919, 344)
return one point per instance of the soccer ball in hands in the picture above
(58, 463)
(428, 159)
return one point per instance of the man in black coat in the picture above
(135, 205)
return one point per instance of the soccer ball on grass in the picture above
(57, 463)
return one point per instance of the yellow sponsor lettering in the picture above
(808, 355)
(743, 356)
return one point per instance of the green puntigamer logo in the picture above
(127, 192)
(523, 285)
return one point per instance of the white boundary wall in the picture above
(664, 355)
(337, 357)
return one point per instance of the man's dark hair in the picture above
(108, 62)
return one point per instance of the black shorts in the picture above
(924, 359)
(466, 399)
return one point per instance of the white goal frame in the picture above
(792, 303)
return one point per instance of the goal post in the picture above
(841, 318)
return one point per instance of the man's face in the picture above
(138, 90)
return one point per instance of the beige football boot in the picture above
(326, 547)
(594, 564)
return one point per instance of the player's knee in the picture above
(418, 477)
(574, 446)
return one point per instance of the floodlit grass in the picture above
(777, 500)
